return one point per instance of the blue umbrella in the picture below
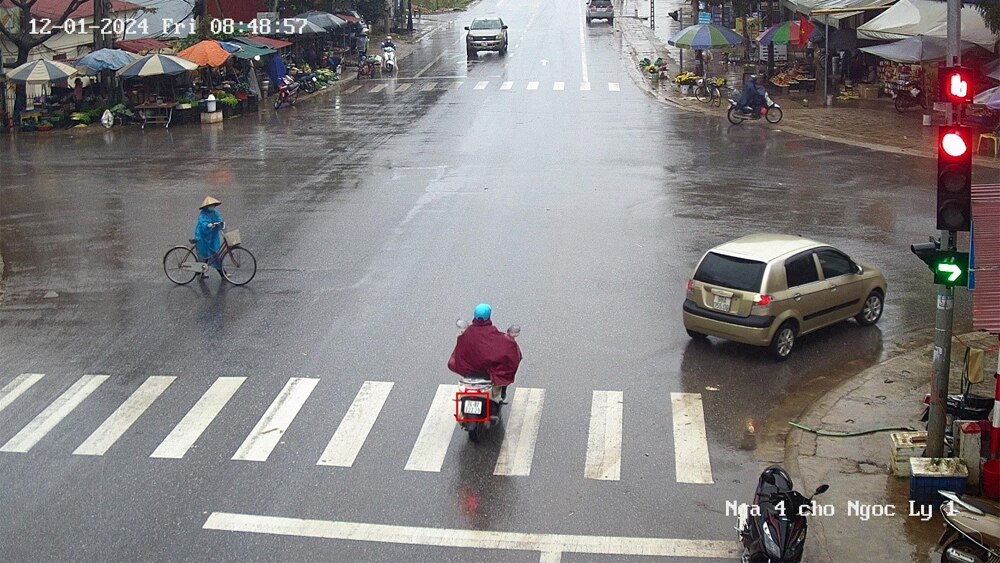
(230, 47)
(105, 59)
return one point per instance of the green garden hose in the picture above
(837, 434)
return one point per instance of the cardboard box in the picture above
(867, 91)
(214, 117)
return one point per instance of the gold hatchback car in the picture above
(767, 289)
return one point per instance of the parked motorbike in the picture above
(367, 66)
(971, 529)
(909, 96)
(737, 115)
(389, 59)
(773, 528)
(307, 81)
(288, 91)
(478, 401)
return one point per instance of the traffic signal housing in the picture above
(950, 267)
(956, 84)
(954, 178)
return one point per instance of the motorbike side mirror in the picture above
(461, 324)
(821, 489)
(768, 478)
(513, 331)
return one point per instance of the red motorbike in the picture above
(288, 91)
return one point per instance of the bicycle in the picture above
(237, 264)
(708, 90)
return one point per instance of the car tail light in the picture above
(762, 300)
(690, 286)
(927, 399)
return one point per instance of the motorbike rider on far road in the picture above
(388, 42)
(483, 351)
(752, 96)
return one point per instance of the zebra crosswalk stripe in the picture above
(585, 86)
(429, 86)
(279, 416)
(507, 85)
(604, 443)
(481, 85)
(456, 85)
(518, 446)
(690, 441)
(352, 89)
(17, 387)
(403, 87)
(559, 86)
(435, 435)
(377, 88)
(125, 416)
(532, 86)
(613, 87)
(196, 421)
(59, 409)
(357, 424)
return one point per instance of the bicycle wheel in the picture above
(716, 99)
(173, 264)
(701, 93)
(239, 266)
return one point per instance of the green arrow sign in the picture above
(952, 270)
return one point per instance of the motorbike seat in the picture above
(476, 380)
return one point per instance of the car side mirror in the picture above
(504, 27)
(466, 28)
(858, 269)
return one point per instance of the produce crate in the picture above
(927, 479)
(904, 446)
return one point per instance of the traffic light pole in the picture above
(945, 315)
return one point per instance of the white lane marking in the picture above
(559, 86)
(17, 387)
(46, 420)
(518, 446)
(481, 85)
(550, 557)
(403, 87)
(432, 63)
(532, 86)
(690, 442)
(585, 86)
(196, 421)
(352, 89)
(269, 430)
(125, 416)
(475, 539)
(429, 86)
(356, 425)
(613, 87)
(506, 85)
(583, 46)
(604, 443)
(456, 85)
(435, 435)
(377, 89)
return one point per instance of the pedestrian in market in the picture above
(362, 45)
(78, 94)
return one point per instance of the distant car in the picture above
(486, 34)
(600, 10)
(768, 289)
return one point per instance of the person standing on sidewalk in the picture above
(362, 45)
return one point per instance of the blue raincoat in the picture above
(208, 239)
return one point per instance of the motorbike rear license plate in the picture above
(472, 407)
(721, 303)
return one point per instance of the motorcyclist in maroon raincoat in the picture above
(483, 350)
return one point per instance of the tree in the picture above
(23, 39)
(990, 9)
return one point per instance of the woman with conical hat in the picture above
(208, 232)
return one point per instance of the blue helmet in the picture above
(482, 312)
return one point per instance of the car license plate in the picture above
(473, 407)
(721, 303)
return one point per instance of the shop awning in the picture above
(250, 51)
(861, 5)
(142, 46)
(270, 42)
(348, 18)
(908, 18)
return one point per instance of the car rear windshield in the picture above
(730, 272)
(600, 3)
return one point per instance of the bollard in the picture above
(969, 447)
(829, 99)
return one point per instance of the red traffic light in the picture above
(957, 84)
(953, 144)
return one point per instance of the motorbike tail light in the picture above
(763, 111)
(762, 300)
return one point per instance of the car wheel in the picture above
(470, 53)
(696, 335)
(588, 21)
(871, 311)
(611, 21)
(783, 341)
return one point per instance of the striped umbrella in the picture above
(41, 71)
(780, 34)
(705, 36)
(156, 65)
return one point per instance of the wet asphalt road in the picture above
(377, 219)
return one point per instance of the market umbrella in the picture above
(206, 53)
(41, 71)
(322, 19)
(794, 32)
(914, 50)
(156, 65)
(989, 98)
(104, 59)
(992, 69)
(705, 36)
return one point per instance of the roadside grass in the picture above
(428, 6)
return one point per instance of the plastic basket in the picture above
(232, 237)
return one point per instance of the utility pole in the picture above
(100, 14)
(945, 302)
(652, 14)
(409, 16)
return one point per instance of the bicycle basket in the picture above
(232, 237)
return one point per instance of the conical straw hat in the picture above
(209, 201)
